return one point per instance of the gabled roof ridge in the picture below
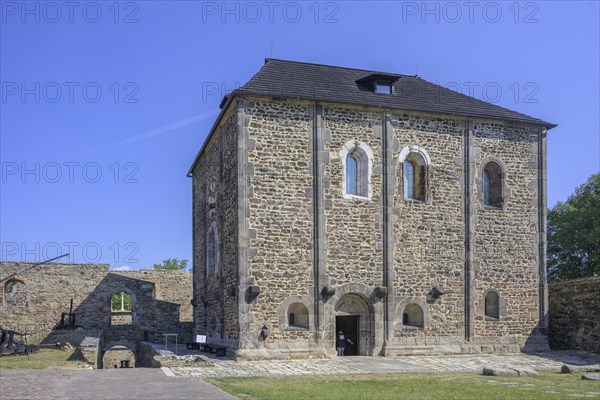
(369, 71)
(330, 83)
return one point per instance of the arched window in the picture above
(413, 317)
(121, 302)
(492, 306)
(298, 316)
(351, 175)
(492, 185)
(357, 173)
(409, 179)
(212, 249)
(15, 294)
(357, 161)
(414, 170)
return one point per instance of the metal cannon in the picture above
(9, 344)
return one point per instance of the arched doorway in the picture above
(354, 316)
(118, 356)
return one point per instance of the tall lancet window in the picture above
(212, 250)
(351, 175)
(357, 160)
(409, 178)
(414, 173)
(492, 185)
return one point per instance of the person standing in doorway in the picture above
(340, 343)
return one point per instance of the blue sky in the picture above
(104, 105)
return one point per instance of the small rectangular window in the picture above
(385, 88)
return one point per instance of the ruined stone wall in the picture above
(91, 348)
(169, 286)
(574, 314)
(506, 239)
(161, 301)
(118, 357)
(49, 289)
(163, 305)
(215, 210)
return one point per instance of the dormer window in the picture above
(378, 83)
(383, 87)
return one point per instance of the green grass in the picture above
(447, 386)
(45, 358)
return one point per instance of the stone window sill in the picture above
(491, 319)
(411, 328)
(356, 197)
(296, 328)
(493, 208)
(414, 201)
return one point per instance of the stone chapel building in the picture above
(409, 216)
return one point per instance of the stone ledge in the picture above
(281, 354)
(151, 355)
(494, 371)
(90, 347)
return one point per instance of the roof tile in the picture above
(291, 79)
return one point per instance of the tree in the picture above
(172, 264)
(574, 234)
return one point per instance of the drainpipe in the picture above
(385, 225)
(316, 217)
(542, 211)
(468, 142)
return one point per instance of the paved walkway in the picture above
(104, 384)
(159, 384)
(552, 360)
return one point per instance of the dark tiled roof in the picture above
(290, 79)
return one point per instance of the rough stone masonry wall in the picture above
(114, 358)
(216, 176)
(163, 305)
(49, 289)
(427, 241)
(353, 225)
(575, 314)
(280, 215)
(161, 301)
(204, 286)
(91, 348)
(505, 240)
(169, 286)
(429, 235)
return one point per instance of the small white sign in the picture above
(200, 338)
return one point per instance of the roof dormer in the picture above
(378, 83)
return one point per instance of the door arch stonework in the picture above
(372, 332)
(353, 304)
